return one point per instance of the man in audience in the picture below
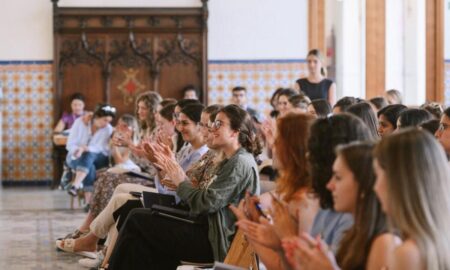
(239, 97)
(191, 92)
(443, 132)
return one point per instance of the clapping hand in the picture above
(307, 253)
(285, 225)
(174, 173)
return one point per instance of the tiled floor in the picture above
(30, 221)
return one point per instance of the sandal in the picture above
(75, 234)
(69, 245)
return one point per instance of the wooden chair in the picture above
(241, 253)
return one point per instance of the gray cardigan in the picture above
(234, 177)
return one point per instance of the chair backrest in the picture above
(241, 253)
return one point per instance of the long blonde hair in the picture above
(418, 188)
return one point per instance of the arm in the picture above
(59, 127)
(74, 141)
(99, 142)
(233, 179)
(381, 251)
(332, 94)
(407, 256)
(118, 156)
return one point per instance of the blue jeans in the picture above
(89, 163)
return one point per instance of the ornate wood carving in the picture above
(96, 49)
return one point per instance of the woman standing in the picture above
(316, 85)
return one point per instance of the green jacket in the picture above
(234, 177)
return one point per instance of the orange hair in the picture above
(291, 145)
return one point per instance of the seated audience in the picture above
(393, 96)
(274, 103)
(239, 97)
(77, 110)
(319, 108)
(283, 100)
(292, 187)
(146, 106)
(142, 244)
(299, 103)
(387, 118)
(378, 103)
(431, 126)
(191, 92)
(88, 147)
(413, 118)
(414, 189)
(127, 128)
(343, 103)
(365, 112)
(367, 244)
(443, 132)
(434, 108)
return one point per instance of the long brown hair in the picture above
(369, 218)
(291, 144)
(151, 100)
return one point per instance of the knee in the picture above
(121, 189)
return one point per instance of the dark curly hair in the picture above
(241, 121)
(325, 135)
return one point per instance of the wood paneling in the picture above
(375, 47)
(316, 25)
(113, 54)
(435, 50)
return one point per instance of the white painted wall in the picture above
(258, 29)
(238, 29)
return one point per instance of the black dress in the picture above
(315, 90)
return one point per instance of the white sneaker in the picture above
(92, 263)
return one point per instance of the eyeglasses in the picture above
(217, 124)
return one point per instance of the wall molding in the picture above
(218, 61)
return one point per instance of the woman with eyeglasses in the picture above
(148, 241)
(88, 147)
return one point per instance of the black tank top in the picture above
(315, 90)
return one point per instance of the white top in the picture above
(80, 134)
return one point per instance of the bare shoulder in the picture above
(407, 256)
(381, 251)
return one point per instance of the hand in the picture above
(262, 233)
(268, 129)
(250, 207)
(290, 246)
(137, 150)
(314, 254)
(284, 224)
(174, 172)
(80, 151)
(164, 139)
(87, 117)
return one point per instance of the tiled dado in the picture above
(261, 78)
(447, 82)
(26, 121)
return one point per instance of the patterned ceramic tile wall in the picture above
(447, 82)
(27, 121)
(261, 78)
